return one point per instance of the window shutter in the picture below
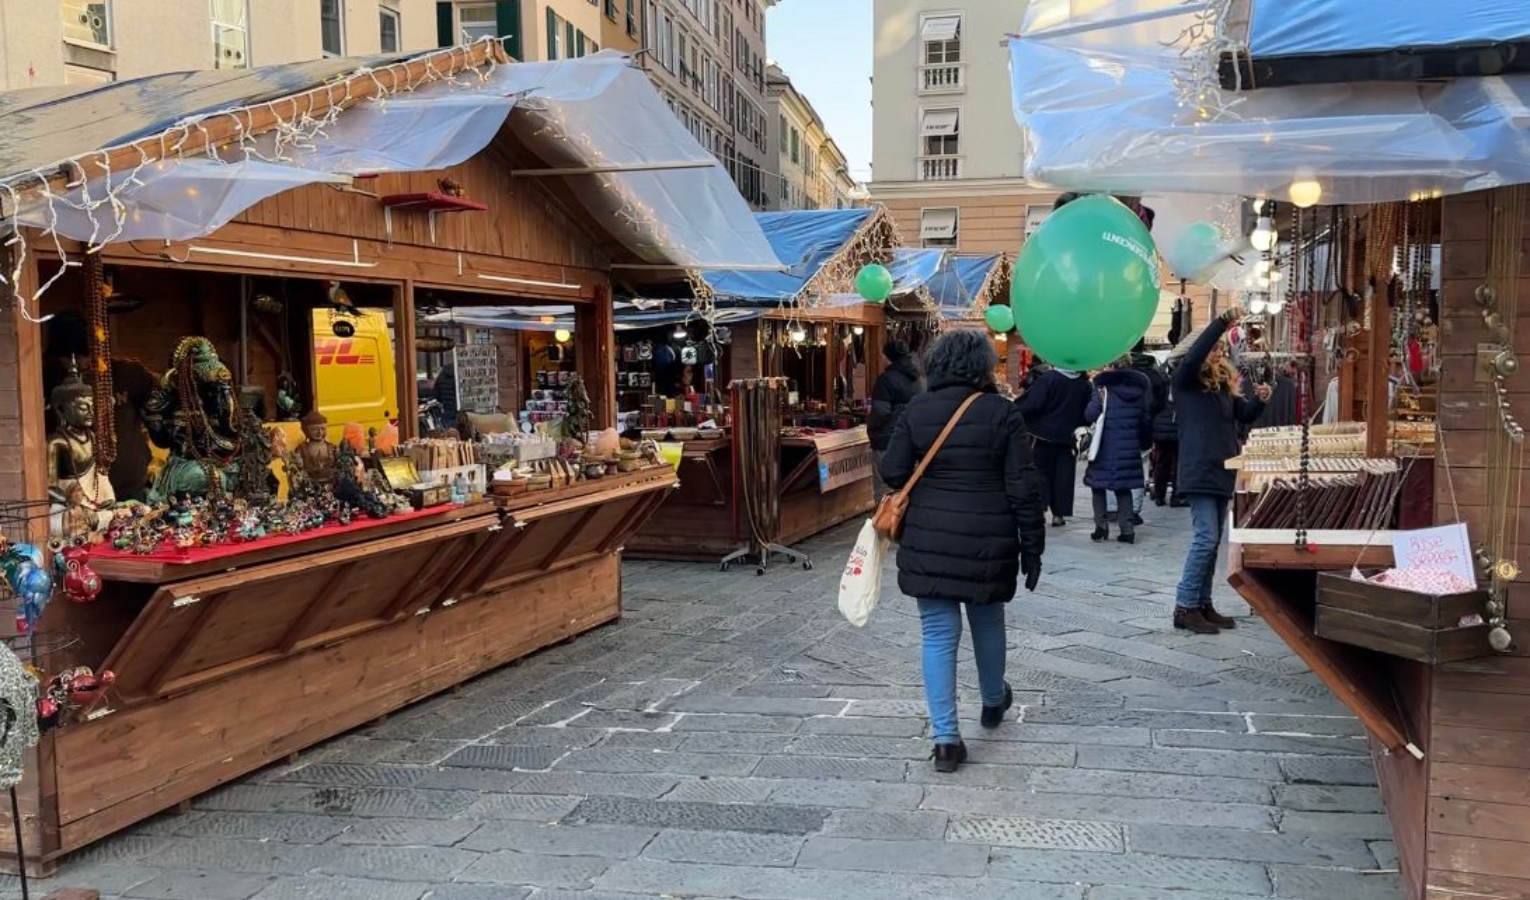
(507, 20)
(445, 24)
(552, 34)
(568, 42)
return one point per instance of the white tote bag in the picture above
(861, 586)
(1099, 428)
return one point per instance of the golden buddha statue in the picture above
(81, 493)
(316, 454)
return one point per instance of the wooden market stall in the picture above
(824, 344)
(230, 654)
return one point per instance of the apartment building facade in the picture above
(51, 42)
(621, 26)
(941, 78)
(707, 58)
(807, 169)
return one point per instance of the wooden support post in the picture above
(405, 360)
(595, 355)
(1377, 383)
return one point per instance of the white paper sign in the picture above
(1445, 547)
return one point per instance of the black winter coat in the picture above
(1166, 424)
(1209, 422)
(976, 508)
(1054, 406)
(1126, 432)
(889, 396)
(1148, 366)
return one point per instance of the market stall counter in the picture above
(228, 659)
(825, 480)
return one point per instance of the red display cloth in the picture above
(178, 556)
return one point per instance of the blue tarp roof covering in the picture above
(913, 269)
(1320, 27)
(956, 286)
(803, 240)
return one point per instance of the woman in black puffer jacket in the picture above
(975, 521)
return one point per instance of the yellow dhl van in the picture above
(354, 377)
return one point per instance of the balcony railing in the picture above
(947, 78)
(940, 168)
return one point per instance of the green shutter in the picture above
(552, 34)
(507, 16)
(579, 43)
(445, 25)
(568, 43)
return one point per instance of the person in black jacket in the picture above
(1120, 411)
(1166, 457)
(974, 524)
(446, 393)
(1210, 409)
(1143, 361)
(1053, 408)
(894, 389)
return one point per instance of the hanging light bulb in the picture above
(858, 330)
(1274, 307)
(1001, 338)
(562, 335)
(1305, 193)
(1256, 306)
(1264, 236)
(680, 333)
(1275, 275)
(798, 335)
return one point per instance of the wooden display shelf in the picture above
(222, 673)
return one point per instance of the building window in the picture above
(569, 43)
(476, 21)
(231, 34)
(390, 27)
(554, 33)
(632, 22)
(611, 10)
(796, 146)
(784, 138)
(1034, 216)
(937, 227)
(939, 129)
(332, 27)
(88, 22)
(942, 36)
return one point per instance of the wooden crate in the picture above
(1425, 628)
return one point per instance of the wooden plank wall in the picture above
(1479, 772)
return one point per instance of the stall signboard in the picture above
(840, 464)
(1445, 547)
(477, 367)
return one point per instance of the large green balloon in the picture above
(874, 283)
(1086, 285)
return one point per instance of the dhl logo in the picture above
(339, 352)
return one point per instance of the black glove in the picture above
(1030, 565)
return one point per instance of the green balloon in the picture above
(874, 283)
(1086, 285)
(1000, 318)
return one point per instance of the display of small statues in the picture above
(193, 415)
(253, 480)
(81, 493)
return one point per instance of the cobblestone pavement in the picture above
(733, 737)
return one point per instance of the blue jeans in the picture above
(1208, 518)
(942, 627)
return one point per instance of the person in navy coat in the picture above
(1122, 412)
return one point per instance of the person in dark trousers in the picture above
(974, 525)
(1120, 411)
(1053, 408)
(895, 387)
(1210, 408)
(446, 393)
(1166, 457)
(1143, 361)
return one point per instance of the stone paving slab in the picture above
(732, 738)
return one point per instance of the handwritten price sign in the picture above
(1446, 548)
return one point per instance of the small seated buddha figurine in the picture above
(316, 454)
(74, 482)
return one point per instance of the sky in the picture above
(824, 46)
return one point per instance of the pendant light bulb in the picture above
(1264, 236)
(680, 333)
(798, 335)
(1274, 307)
(1256, 306)
(562, 335)
(858, 330)
(1305, 193)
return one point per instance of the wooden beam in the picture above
(595, 342)
(1378, 394)
(32, 403)
(406, 361)
(604, 170)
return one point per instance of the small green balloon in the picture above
(1087, 284)
(874, 283)
(1000, 318)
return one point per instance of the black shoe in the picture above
(1159, 501)
(1100, 534)
(1127, 539)
(1193, 620)
(948, 756)
(993, 716)
(1210, 614)
(1179, 503)
(1058, 521)
(1137, 520)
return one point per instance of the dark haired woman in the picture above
(974, 523)
(1210, 409)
